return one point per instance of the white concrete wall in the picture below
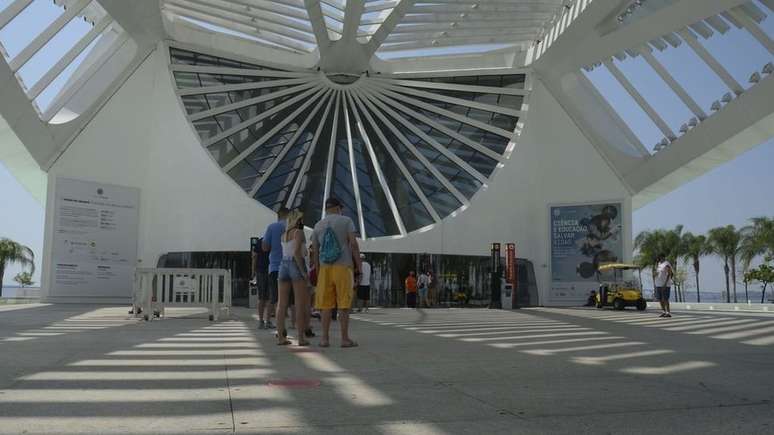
(142, 139)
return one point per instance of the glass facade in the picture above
(400, 158)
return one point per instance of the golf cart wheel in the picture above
(212, 318)
(599, 305)
(619, 304)
(146, 318)
(641, 305)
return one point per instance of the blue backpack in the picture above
(330, 249)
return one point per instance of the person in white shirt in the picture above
(663, 284)
(423, 285)
(364, 286)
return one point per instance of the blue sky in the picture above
(730, 194)
(21, 219)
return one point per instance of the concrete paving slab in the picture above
(184, 374)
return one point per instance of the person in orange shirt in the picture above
(411, 290)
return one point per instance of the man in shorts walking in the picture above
(272, 243)
(663, 283)
(337, 261)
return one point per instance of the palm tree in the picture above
(695, 247)
(725, 242)
(12, 252)
(649, 245)
(757, 240)
(674, 249)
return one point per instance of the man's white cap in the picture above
(362, 255)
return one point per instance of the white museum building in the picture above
(150, 127)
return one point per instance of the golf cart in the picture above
(618, 287)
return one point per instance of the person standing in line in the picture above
(293, 276)
(423, 284)
(364, 285)
(432, 289)
(663, 283)
(272, 243)
(261, 281)
(411, 290)
(313, 312)
(337, 260)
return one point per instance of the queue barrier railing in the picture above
(155, 290)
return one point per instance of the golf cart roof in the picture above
(617, 266)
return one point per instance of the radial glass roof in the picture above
(402, 154)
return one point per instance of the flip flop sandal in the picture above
(352, 343)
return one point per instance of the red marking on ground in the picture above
(295, 383)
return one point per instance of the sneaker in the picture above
(269, 325)
(663, 315)
(309, 333)
(261, 324)
(668, 315)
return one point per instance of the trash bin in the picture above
(253, 296)
(506, 299)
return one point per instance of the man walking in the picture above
(337, 261)
(663, 283)
(364, 286)
(272, 243)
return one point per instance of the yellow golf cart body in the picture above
(618, 287)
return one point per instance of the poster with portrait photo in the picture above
(582, 238)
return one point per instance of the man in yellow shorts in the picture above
(337, 260)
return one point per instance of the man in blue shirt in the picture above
(272, 243)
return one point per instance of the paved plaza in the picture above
(93, 369)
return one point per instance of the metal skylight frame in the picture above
(746, 17)
(101, 23)
(281, 24)
(449, 23)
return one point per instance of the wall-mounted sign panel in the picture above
(582, 237)
(94, 250)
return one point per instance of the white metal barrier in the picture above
(158, 289)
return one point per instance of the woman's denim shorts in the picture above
(288, 271)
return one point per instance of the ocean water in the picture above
(14, 291)
(712, 296)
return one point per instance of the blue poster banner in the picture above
(582, 238)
